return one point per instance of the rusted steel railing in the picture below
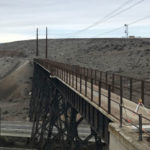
(84, 80)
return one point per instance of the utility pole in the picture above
(37, 43)
(46, 48)
(126, 31)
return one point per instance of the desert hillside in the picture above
(126, 56)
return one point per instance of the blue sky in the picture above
(19, 18)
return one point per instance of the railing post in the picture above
(91, 89)
(142, 91)
(99, 93)
(60, 72)
(113, 82)
(85, 86)
(100, 76)
(109, 99)
(80, 70)
(57, 71)
(106, 80)
(95, 76)
(131, 83)
(80, 83)
(121, 90)
(121, 115)
(140, 127)
(69, 77)
(84, 71)
(91, 73)
(73, 78)
(121, 101)
(63, 74)
(76, 81)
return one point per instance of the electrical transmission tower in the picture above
(126, 31)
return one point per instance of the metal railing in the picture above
(87, 81)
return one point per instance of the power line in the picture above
(110, 15)
(118, 13)
(139, 20)
(121, 27)
(105, 17)
(115, 13)
(118, 28)
(119, 8)
(113, 30)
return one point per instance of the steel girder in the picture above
(53, 110)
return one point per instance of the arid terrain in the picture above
(124, 56)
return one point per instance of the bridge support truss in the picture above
(55, 109)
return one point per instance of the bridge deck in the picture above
(128, 113)
(104, 100)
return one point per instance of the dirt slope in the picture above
(14, 92)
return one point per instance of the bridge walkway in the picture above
(111, 104)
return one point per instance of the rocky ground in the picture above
(124, 56)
